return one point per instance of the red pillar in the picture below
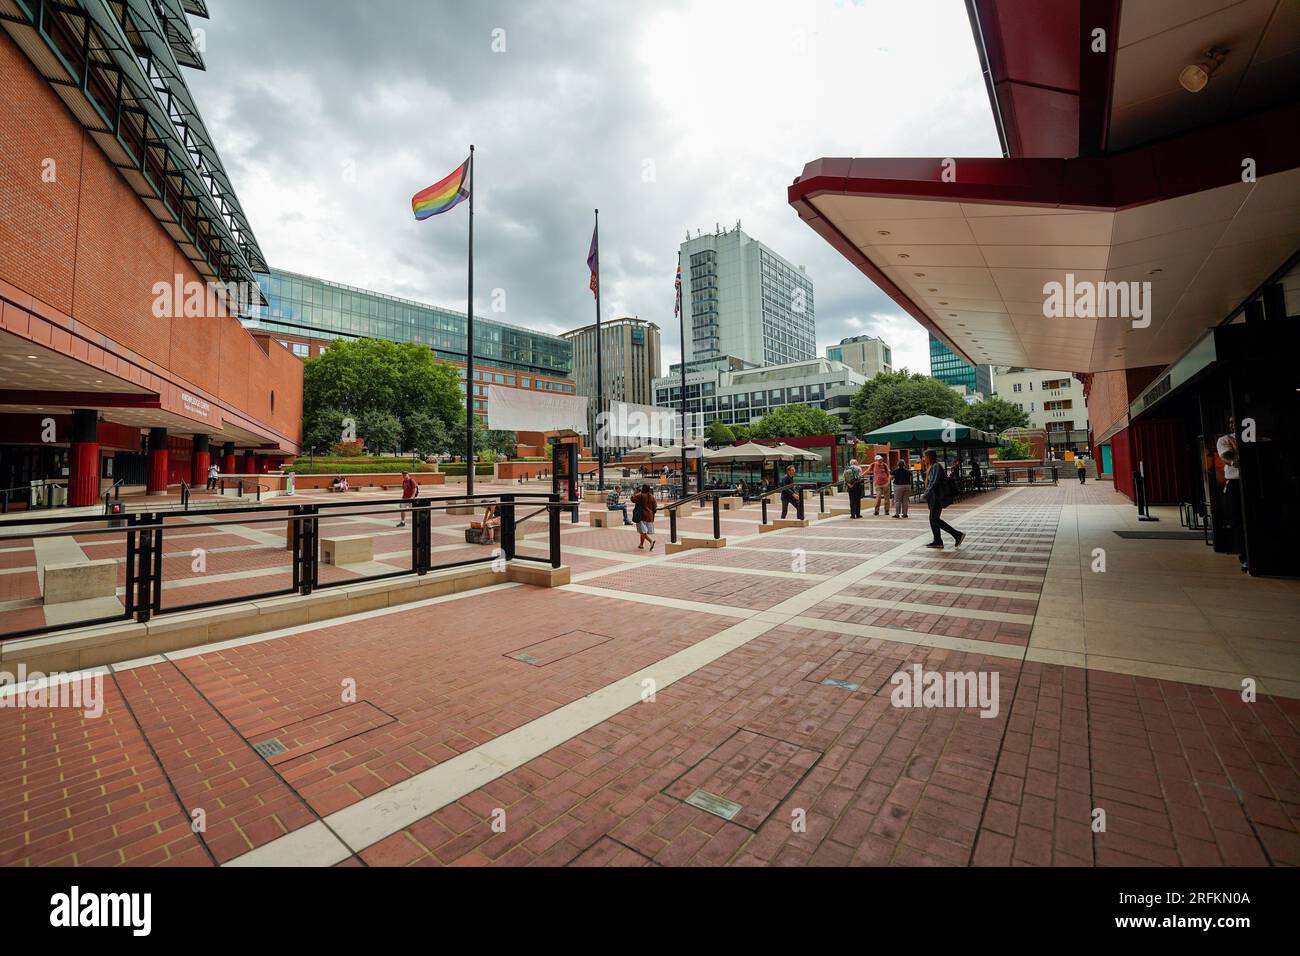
(157, 461)
(250, 464)
(228, 458)
(200, 459)
(83, 459)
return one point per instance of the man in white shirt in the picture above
(1229, 454)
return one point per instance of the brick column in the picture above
(157, 461)
(83, 458)
(200, 459)
(228, 458)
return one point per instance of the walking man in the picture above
(1082, 467)
(853, 484)
(409, 490)
(880, 483)
(213, 471)
(790, 494)
(937, 495)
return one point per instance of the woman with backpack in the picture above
(939, 492)
(644, 507)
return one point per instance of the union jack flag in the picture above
(677, 288)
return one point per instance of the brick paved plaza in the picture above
(729, 706)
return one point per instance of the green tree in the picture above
(373, 376)
(994, 415)
(893, 396)
(457, 446)
(795, 421)
(740, 432)
(380, 431)
(718, 434)
(321, 428)
(502, 443)
(1014, 451)
(425, 434)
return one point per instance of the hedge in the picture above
(355, 467)
(458, 468)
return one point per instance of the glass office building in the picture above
(948, 367)
(305, 311)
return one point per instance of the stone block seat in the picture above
(347, 549)
(605, 519)
(78, 581)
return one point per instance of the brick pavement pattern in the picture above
(784, 749)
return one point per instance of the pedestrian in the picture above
(490, 521)
(880, 483)
(1230, 454)
(853, 485)
(790, 494)
(1082, 467)
(938, 494)
(213, 471)
(976, 476)
(644, 507)
(902, 488)
(409, 490)
(612, 503)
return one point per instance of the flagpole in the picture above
(469, 340)
(600, 381)
(681, 326)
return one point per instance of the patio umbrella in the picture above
(795, 454)
(748, 452)
(642, 451)
(924, 431)
(674, 453)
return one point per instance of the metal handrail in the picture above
(116, 489)
(144, 535)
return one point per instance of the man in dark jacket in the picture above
(790, 494)
(935, 497)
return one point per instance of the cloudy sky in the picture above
(670, 116)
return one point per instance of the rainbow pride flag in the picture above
(443, 194)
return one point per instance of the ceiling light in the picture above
(882, 232)
(1195, 76)
(904, 255)
(1155, 272)
(31, 356)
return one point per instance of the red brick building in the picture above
(122, 250)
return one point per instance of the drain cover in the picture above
(270, 748)
(526, 658)
(841, 684)
(712, 803)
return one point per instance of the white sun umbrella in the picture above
(674, 453)
(797, 454)
(642, 451)
(748, 452)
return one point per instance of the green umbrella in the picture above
(925, 431)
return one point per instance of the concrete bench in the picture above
(604, 519)
(461, 508)
(348, 549)
(78, 581)
(594, 497)
(732, 503)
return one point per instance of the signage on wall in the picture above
(195, 406)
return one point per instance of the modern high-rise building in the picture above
(868, 355)
(743, 299)
(629, 363)
(306, 314)
(951, 369)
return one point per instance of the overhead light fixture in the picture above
(882, 232)
(1195, 76)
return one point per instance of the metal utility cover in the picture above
(712, 803)
(270, 748)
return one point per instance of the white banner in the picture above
(521, 410)
(629, 425)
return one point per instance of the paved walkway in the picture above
(728, 706)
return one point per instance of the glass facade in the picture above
(303, 306)
(949, 368)
(789, 326)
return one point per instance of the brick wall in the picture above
(89, 249)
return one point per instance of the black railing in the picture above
(115, 492)
(34, 497)
(143, 534)
(711, 493)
